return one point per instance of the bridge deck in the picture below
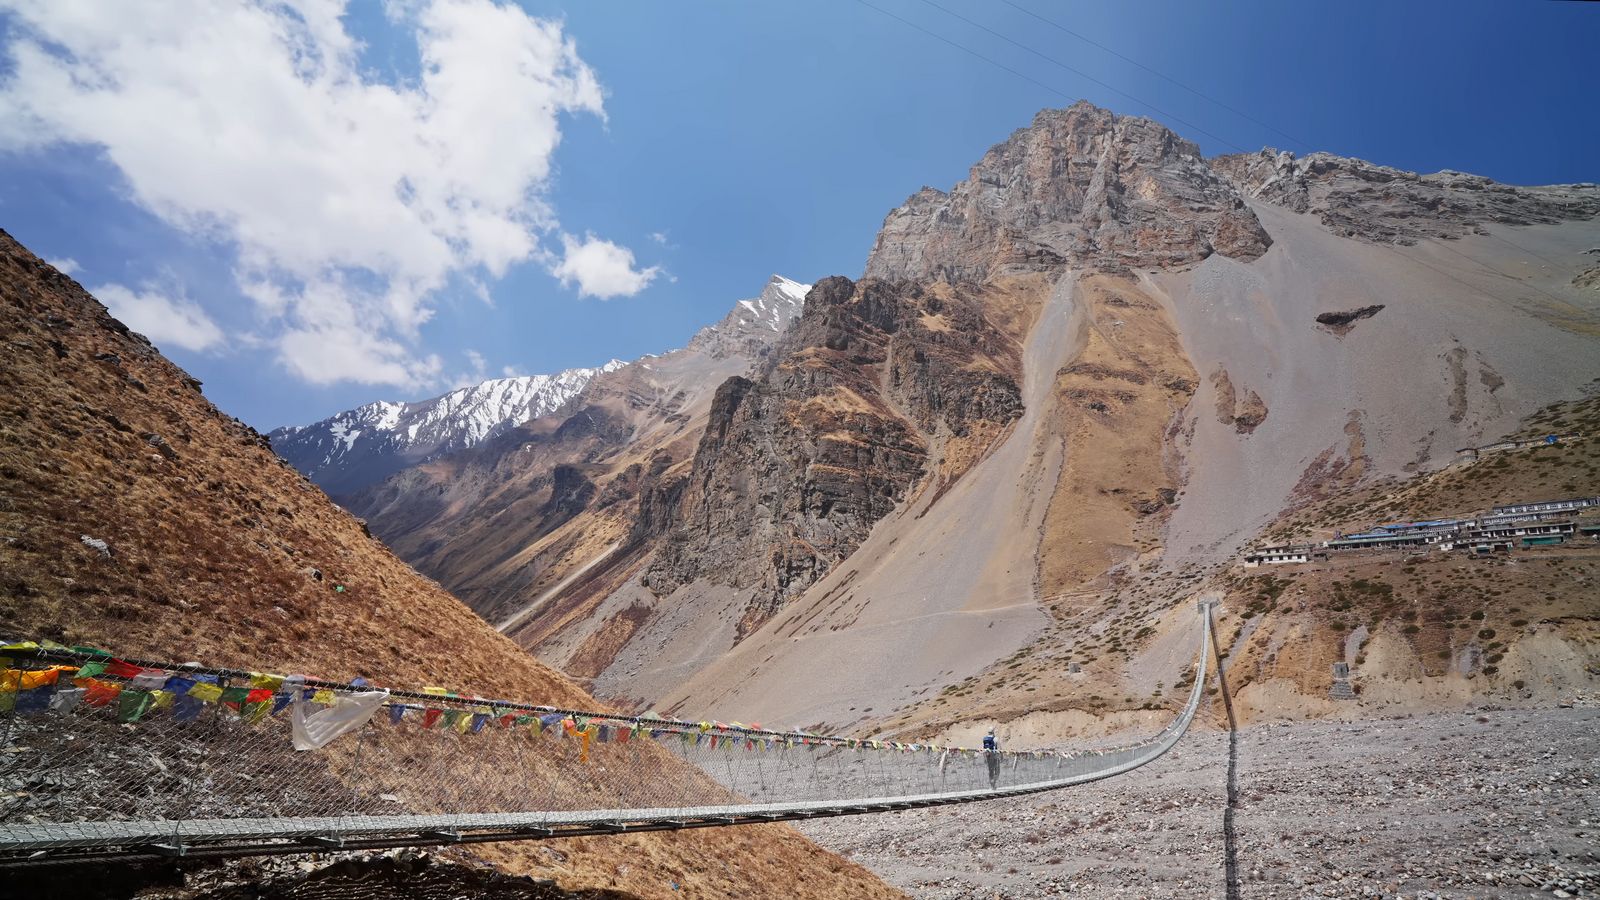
(26, 837)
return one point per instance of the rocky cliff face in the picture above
(353, 449)
(1081, 186)
(794, 468)
(1358, 199)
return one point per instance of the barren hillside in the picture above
(213, 549)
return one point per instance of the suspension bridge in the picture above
(123, 759)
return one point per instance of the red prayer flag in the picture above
(122, 669)
(99, 693)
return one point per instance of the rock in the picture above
(797, 465)
(1340, 323)
(94, 543)
(161, 445)
(1080, 185)
(1368, 202)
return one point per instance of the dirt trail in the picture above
(520, 616)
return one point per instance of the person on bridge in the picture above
(991, 754)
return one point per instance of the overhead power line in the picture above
(1304, 145)
(1076, 71)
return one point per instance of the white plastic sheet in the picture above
(314, 730)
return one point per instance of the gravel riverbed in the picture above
(1493, 803)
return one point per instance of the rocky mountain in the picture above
(751, 327)
(494, 520)
(1358, 199)
(1064, 394)
(136, 516)
(355, 448)
(1079, 186)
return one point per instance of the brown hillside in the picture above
(220, 552)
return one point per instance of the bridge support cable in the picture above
(116, 770)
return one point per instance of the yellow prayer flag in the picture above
(206, 692)
(266, 680)
(324, 696)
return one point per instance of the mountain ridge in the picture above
(349, 450)
(856, 510)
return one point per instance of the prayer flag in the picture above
(132, 705)
(205, 692)
(99, 693)
(36, 700)
(148, 680)
(66, 698)
(123, 669)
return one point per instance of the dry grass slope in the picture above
(216, 548)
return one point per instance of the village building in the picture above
(1272, 556)
(1545, 507)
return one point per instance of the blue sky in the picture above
(254, 221)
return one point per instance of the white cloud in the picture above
(659, 237)
(477, 371)
(510, 372)
(162, 319)
(66, 266)
(600, 268)
(349, 201)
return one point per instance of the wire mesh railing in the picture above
(108, 756)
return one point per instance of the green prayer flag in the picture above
(131, 705)
(91, 669)
(235, 694)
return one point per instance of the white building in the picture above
(1272, 556)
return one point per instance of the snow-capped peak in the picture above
(342, 451)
